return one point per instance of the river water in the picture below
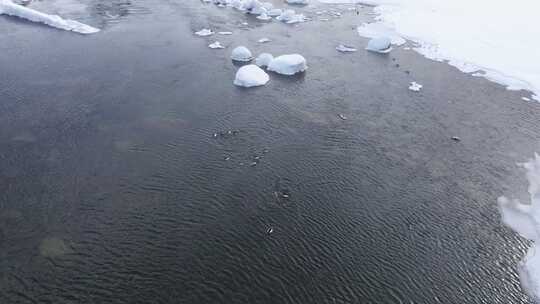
(114, 189)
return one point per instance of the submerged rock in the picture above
(52, 247)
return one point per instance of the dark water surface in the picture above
(113, 189)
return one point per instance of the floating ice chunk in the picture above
(241, 53)
(274, 12)
(288, 64)
(7, 7)
(526, 98)
(216, 45)
(251, 76)
(345, 48)
(264, 59)
(225, 33)
(264, 17)
(297, 1)
(415, 86)
(204, 32)
(380, 45)
(290, 16)
(525, 220)
(268, 6)
(264, 40)
(380, 29)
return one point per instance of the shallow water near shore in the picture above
(113, 188)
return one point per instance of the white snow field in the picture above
(251, 76)
(497, 39)
(288, 64)
(7, 7)
(525, 220)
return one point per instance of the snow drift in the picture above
(7, 7)
(525, 220)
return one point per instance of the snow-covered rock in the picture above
(380, 45)
(216, 45)
(346, 48)
(264, 59)
(204, 32)
(7, 7)
(241, 53)
(264, 17)
(415, 86)
(251, 76)
(288, 64)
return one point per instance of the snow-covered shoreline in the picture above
(495, 40)
(7, 7)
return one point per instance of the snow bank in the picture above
(251, 76)
(288, 64)
(241, 53)
(496, 37)
(525, 220)
(264, 59)
(7, 7)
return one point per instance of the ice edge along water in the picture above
(7, 7)
(525, 220)
(495, 40)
